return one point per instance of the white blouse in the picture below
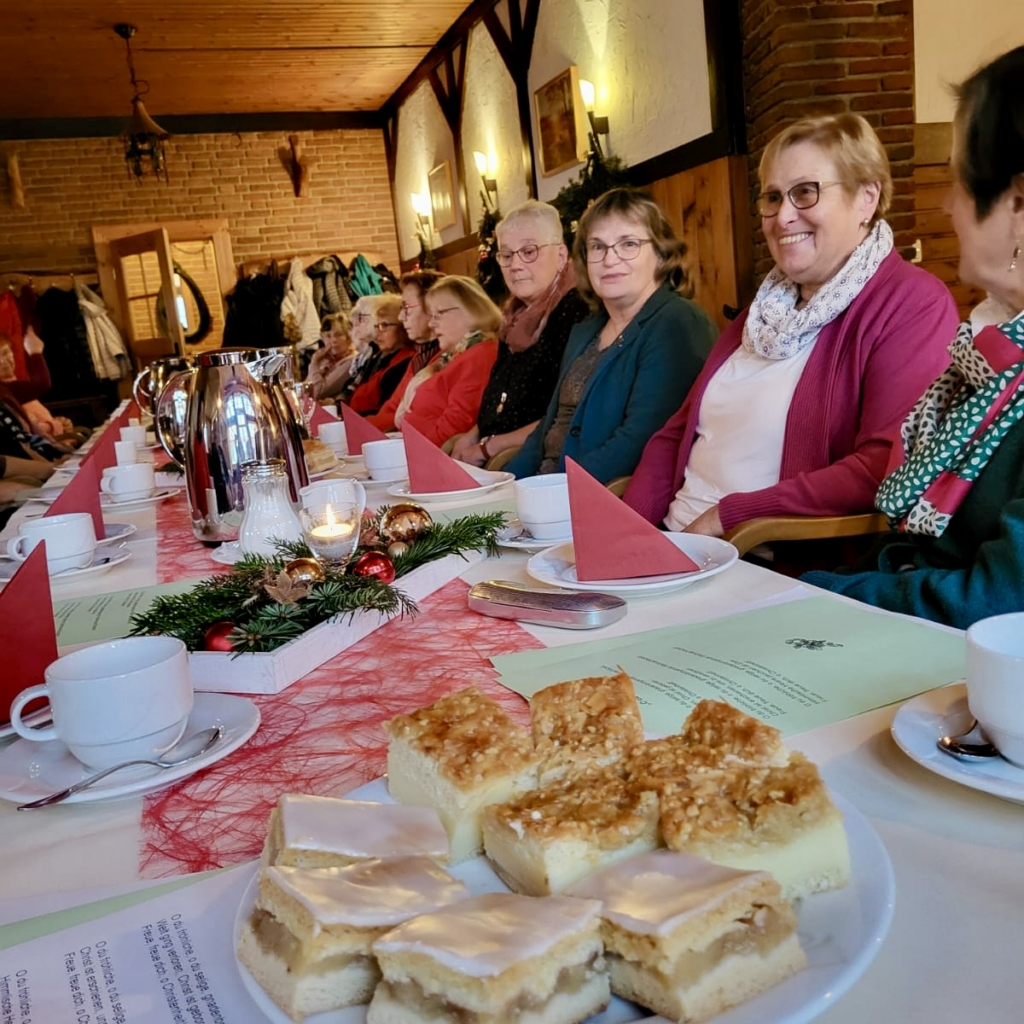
(741, 424)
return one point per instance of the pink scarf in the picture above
(521, 324)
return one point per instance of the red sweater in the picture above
(868, 367)
(448, 403)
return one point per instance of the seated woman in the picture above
(387, 369)
(794, 410)
(331, 366)
(958, 497)
(416, 321)
(628, 365)
(364, 340)
(444, 398)
(543, 307)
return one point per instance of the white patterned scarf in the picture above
(776, 329)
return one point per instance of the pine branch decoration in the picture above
(269, 609)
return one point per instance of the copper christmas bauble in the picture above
(404, 522)
(305, 570)
(215, 637)
(376, 564)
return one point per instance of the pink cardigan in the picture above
(868, 367)
(448, 403)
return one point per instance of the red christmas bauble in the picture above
(373, 563)
(215, 638)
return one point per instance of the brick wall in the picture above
(75, 183)
(805, 58)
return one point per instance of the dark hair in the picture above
(990, 125)
(421, 280)
(638, 206)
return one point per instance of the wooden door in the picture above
(147, 338)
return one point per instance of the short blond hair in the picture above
(472, 298)
(852, 145)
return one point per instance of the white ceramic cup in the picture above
(385, 460)
(995, 681)
(129, 483)
(333, 435)
(126, 452)
(339, 493)
(135, 434)
(70, 540)
(543, 505)
(116, 701)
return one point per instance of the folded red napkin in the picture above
(82, 494)
(610, 540)
(358, 431)
(26, 611)
(102, 454)
(430, 470)
(320, 415)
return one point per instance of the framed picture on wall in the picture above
(442, 203)
(561, 123)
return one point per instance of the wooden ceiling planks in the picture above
(63, 60)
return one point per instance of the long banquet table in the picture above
(958, 855)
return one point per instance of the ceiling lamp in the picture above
(143, 138)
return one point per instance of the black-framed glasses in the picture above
(624, 248)
(362, 317)
(438, 313)
(803, 195)
(527, 253)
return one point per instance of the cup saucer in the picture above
(31, 769)
(102, 560)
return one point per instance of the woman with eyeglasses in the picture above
(384, 371)
(629, 364)
(794, 411)
(416, 322)
(444, 398)
(542, 309)
(956, 491)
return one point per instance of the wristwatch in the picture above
(483, 445)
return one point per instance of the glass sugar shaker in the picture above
(269, 515)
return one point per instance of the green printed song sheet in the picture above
(87, 620)
(797, 665)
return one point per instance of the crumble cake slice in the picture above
(458, 755)
(545, 840)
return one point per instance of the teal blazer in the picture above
(638, 384)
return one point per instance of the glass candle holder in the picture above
(331, 532)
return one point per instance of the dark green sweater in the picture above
(975, 569)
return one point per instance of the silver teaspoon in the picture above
(187, 750)
(972, 745)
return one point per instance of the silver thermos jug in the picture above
(229, 409)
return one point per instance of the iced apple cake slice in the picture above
(687, 938)
(308, 940)
(492, 960)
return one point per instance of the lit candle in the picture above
(330, 537)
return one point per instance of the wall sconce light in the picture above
(598, 125)
(421, 207)
(490, 183)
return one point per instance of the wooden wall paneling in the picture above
(701, 204)
(464, 263)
